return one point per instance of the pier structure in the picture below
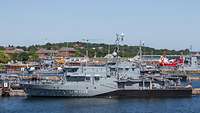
(196, 91)
(5, 90)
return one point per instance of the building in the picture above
(63, 52)
(17, 67)
(44, 53)
(66, 52)
(13, 50)
(195, 53)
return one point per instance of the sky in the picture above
(172, 24)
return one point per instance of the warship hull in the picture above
(156, 93)
(109, 93)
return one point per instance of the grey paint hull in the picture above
(36, 91)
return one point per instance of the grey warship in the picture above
(94, 85)
(120, 80)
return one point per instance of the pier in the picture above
(196, 91)
(11, 92)
(180, 72)
(17, 93)
(194, 78)
(7, 90)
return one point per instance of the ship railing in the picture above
(40, 82)
(178, 87)
(108, 86)
(165, 88)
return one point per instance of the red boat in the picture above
(164, 61)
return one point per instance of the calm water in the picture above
(196, 84)
(99, 105)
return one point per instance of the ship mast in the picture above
(190, 52)
(140, 54)
(140, 50)
(119, 38)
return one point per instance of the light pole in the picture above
(95, 54)
(86, 52)
(86, 49)
(140, 50)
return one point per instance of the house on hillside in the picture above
(44, 53)
(63, 52)
(66, 52)
(13, 50)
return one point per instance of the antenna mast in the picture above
(119, 38)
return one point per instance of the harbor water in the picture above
(99, 105)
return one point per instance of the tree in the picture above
(2, 66)
(3, 57)
(1, 48)
(14, 56)
(33, 56)
(24, 56)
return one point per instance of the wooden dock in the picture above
(17, 93)
(194, 78)
(196, 91)
(180, 72)
(11, 92)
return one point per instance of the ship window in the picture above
(70, 69)
(127, 69)
(87, 78)
(141, 84)
(120, 85)
(75, 78)
(128, 84)
(112, 69)
(146, 84)
(111, 63)
(96, 78)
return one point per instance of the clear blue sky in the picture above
(173, 24)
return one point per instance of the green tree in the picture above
(24, 56)
(2, 66)
(33, 56)
(3, 57)
(14, 56)
(1, 48)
